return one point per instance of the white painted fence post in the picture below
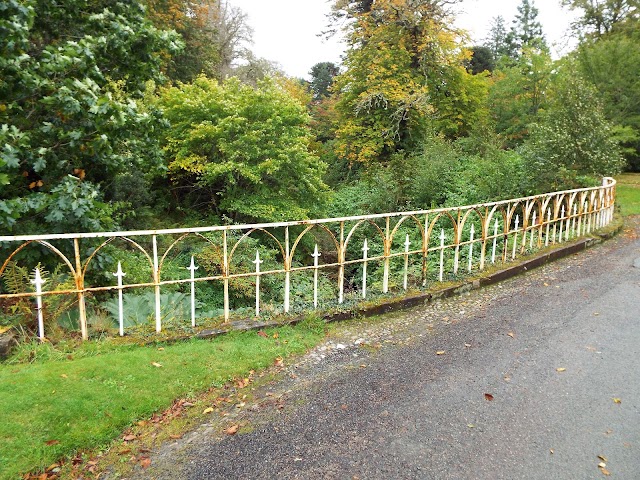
(225, 275)
(287, 273)
(315, 256)
(38, 281)
(192, 268)
(533, 229)
(515, 238)
(387, 252)
(561, 224)
(495, 241)
(406, 260)
(441, 254)
(546, 237)
(365, 250)
(156, 281)
(119, 273)
(257, 261)
(471, 234)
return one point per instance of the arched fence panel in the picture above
(193, 277)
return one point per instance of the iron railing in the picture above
(409, 250)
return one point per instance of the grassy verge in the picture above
(628, 193)
(53, 409)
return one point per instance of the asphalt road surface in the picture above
(380, 400)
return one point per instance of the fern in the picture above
(15, 278)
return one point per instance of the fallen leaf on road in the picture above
(262, 334)
(232, 430)
(511, 334)
(617, 400)
(605, 472)
(467, 345)
(470, 425)
(175, 437)
(129, 438)
(603, 458)
(546, 284)
(278, 362)
(207, 410)
(596, 313)
(488, 396)
(551, 451)
(561, 369)
(440, 352)
(602, 465)
(242, 382)
(156, 364)
(145, 462)
(608, 432)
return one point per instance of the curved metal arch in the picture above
(437, 217)
(306, 230)
(401, 221)
(531, 204)
(355, 227)
(179, 239)
(490, 215)
(246, 235)
(44, 243)
(464, 218)
(109, 240)
(511, 210)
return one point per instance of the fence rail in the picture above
(353, 255)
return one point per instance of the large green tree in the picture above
(600, 17)
(403, 74)
(70, 74)
(241, 152)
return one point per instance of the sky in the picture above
(286, 31)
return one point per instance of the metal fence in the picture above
(348, 257)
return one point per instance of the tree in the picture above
(231, 36)
(241, 152)
(191, 19)
(600, 17)
(497, 40)
(610, 63)
(322, 75)
(526, 30)
(518, 94)
(573, 137)
(481, 60)
(69, 113)
(404, 68)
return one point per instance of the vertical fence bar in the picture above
(441, 253)
(533, 229)
(79, 278)
(341, 259)
(495, 241)
(471, 247)
(561, 224)
(567, 225)
(287, 273)
(225, 275)
(156, 281)
(192, 268)
(484, 224)
(365, 250)
(457, 233)
(515, 238)
(573, 222)
(425, 250)
(315, 256)
(546, 237)
(555, 225)
(406, 261)
(119, 274)
(387, 252)
(257, 261)
(38, 281)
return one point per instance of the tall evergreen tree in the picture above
(526, 30)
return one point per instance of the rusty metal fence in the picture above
(390, 253)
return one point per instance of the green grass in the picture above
(628, 193)
(52, 409)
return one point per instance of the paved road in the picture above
(413, 414)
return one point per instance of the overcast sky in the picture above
(286, 31)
